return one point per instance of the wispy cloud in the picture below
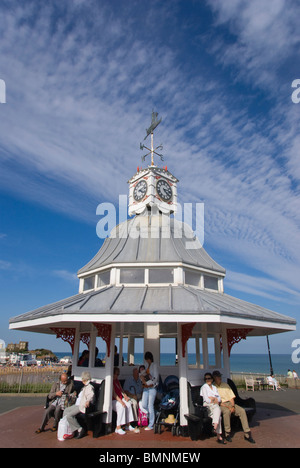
(263, 38)
(66, 275)
(263, 287)
(82, 82)
(4, 265)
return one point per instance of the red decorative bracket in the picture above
(66, 334)
(104, 331)
(235, 335)
(186, 333)
(86, 338)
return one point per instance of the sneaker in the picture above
(129, 428)
(120, 431)
(148, 428)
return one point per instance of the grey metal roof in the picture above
(170, 299)
(144, 239)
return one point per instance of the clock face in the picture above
(140, 190)
(164, 190)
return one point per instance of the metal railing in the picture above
(239, 377)
(40, 379)
(28, 379)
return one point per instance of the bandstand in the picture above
(150, 284)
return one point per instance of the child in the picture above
(145, 378)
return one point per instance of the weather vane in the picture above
(150, 130)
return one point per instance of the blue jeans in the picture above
(148, 400)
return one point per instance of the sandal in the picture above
(221, 441)
(38, 431)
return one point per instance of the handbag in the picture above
(63, 429)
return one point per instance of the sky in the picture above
(81, 80)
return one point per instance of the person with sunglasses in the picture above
(212, 400)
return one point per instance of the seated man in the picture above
(60, 391)
(228, 407)
(133, 388)
(98, 361)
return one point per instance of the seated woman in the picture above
(84, 400)
(212, 400)
(122, 405)
(83, 361)
(272, 381)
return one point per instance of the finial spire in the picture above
(154, 123)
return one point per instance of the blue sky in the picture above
(82, 79)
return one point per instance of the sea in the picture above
(248, 363)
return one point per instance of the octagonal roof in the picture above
(152, 238)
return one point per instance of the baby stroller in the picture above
(168, 410)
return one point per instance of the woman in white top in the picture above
(212, 400)
(84, 400)
(149, 391)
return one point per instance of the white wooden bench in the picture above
(250, 382)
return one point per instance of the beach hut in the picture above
(152, 284)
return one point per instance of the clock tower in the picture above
(152, 186)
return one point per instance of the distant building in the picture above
(13, 347)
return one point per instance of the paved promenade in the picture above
(275, 425)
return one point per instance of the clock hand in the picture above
(164, 190)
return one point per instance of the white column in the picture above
(92, 348)
(121, 345)
(76, 346)
(217, 350)
(198, 355)
(109, 368)
(226, 360)
(204, 346)
(151, 340)
(183, 371)
(130, 350)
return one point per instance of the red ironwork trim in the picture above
(186, 333)
(85, 338)
(235, 335)
(104, 331)
(66, 334)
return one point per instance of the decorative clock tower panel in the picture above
(152, 185)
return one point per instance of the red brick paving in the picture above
(270, 429)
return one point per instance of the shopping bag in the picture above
(63, 429)
(142, 417)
